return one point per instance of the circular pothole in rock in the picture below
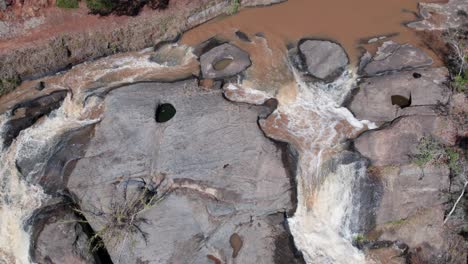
(222, 64)
(401, 101)
(416, 75)
(165, 112)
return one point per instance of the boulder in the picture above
(204, 175)
(384, 98)
(396, 143)
(224, 61)
(392, 56)
(323, 59)
(58, 237)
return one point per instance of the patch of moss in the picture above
(429, 151)
(67, 3)
(102, 7)
(453, 158)
(433, 152)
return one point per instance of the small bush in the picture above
(234, 8)
(67, 3)
(460, 82)
(9, 84)
(102, 7)
(433, 152)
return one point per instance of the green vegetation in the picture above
(460, 82)
(453, 159)
(67, 3)
(429, 151)
(113, 47)
(359, 239)
(432, 152)
(9, 84)
(102, 7)
(234, 8)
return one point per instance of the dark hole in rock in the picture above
(222, 64)
(401, 101)
(416, 75)
(242, 36)
(225, 166)
(40, 86)
(165, 112)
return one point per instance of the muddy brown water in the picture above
(343, 21)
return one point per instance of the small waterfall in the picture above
(328, 203)
(19, 198)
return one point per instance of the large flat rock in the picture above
(323, 59)
(392, 56)
(396, 143)
(422, 88)
(220, 175)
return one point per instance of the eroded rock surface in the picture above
(210, 168)
(377, 98)
(223, 61)
(323, 59)
(409, 105)
(442, 16)
(392, 56)
(60, 238)
(396, 143)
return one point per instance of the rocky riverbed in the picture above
(192, 154)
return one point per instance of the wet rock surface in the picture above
(324, 60)
(231, 60)
(392, 56)
(206, 188)
(28, 112)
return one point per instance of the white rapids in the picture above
(315, 124)
(18, 198)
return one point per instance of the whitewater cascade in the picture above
(323, 232)
(18, 198)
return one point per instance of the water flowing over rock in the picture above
(238, 150)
